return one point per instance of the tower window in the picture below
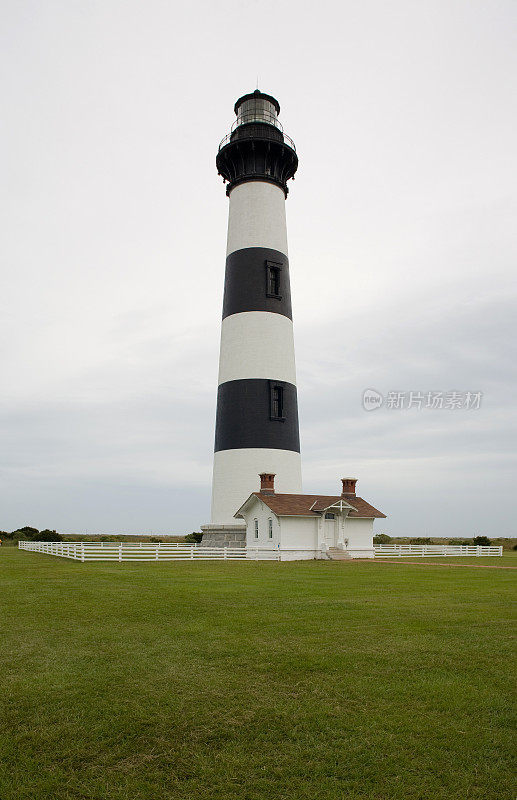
(277, 401)
(256, 528)
(273, 279)
(270, 528)
(328, 515)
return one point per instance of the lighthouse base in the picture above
(230, 535)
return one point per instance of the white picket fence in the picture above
(423, 550)
(179, 551)
(129, 551)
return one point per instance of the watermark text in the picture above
(451, 400)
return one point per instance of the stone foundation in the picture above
(223, 536)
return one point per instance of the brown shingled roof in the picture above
(295, 505)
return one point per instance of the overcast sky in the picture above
(402, 240)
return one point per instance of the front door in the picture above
(330, 529)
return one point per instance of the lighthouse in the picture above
(256, 427)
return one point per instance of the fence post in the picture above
(82, 551)
(224, 548)
(120, 552)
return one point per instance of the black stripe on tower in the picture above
(257, 279)
(256, 412)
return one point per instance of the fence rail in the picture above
(178, 551)
(423, 550)
(128, 551)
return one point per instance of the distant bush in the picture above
(381, 538)
(154, 540)
(193, 537)
(514, 547)
(420, 540)
(25, 533)
(7, 538)
(47, 536)
(462, 542)
(483, 541)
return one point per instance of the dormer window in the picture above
(273, 279)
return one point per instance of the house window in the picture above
(273, 283)
(328, 515)
(270, 528)
(277, 401)
(256, 529)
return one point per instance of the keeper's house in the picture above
(307, 526)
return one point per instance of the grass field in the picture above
(292, 681)
(508, 559)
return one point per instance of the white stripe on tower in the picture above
(257, 217)
(261, 339)
(234, 471)
(257, 416)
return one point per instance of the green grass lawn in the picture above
(225, 681)
(508, 559)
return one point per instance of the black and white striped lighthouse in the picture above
(257, 413)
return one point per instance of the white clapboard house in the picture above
(306, 526)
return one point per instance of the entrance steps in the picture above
(337, 554)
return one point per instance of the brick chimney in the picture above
(348, 486)
(267, 483)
